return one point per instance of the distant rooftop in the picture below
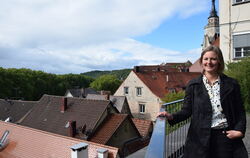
(15, 109)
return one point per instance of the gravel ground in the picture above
(247, 136)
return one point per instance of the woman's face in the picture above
(210, 62)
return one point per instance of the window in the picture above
(125, 90)
(138, 91)
(142, 108)
(242, 52)
(241, 44)
(240, 1)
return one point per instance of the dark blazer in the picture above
(197, 105)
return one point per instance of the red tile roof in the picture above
(196, 67)
(145, 127)
(216, 42)
(168, 67)
(160, 82)
(108, 128)
(25, 142)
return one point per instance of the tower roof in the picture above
(213, 12)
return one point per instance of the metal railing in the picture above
(168, 141)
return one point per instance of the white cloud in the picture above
(63, 36)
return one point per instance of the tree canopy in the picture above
(169, 97)
(106, 82)
(241, 72)
(31, 85)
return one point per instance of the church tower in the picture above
(212, 31)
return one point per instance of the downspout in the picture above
(230, 32)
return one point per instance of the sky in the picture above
(76, 36)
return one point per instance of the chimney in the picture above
(167, 79)
(102, 153)
(107, 97)
(79, 150)
(137, 68)
(83, 93)
(102, 92)
(64, 104)
(72, 129)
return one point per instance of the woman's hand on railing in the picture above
(165, 114)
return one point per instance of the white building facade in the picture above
(142, 102)
(234, 29)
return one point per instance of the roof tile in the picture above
(25, 142)
(48, 117)
(160, 82)
(108, 128)
(143, 126)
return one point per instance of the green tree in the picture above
(106, 82)
(169, 97)
(241, 72)
(31, 85)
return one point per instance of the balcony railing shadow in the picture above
(168, 141)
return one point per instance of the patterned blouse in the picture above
(218, 118)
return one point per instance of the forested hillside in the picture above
(31, 85)
(120, 74)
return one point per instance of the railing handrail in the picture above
(173, 102)
(157, 144)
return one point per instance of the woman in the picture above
(218, 119)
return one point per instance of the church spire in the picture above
(213, 12)
(212, 29)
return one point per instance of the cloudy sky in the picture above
(75, 36)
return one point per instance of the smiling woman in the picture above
(218, 121)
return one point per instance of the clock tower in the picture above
(212, 31)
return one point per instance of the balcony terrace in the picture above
(168, 141)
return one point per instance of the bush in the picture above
(169, 97)
(241, 72)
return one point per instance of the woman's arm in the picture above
(185, 111)
(239, 112)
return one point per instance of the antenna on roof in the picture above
(4, 141)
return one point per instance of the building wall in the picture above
(126, 109)
(125, 132)
(151, 101)
(234, 19)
